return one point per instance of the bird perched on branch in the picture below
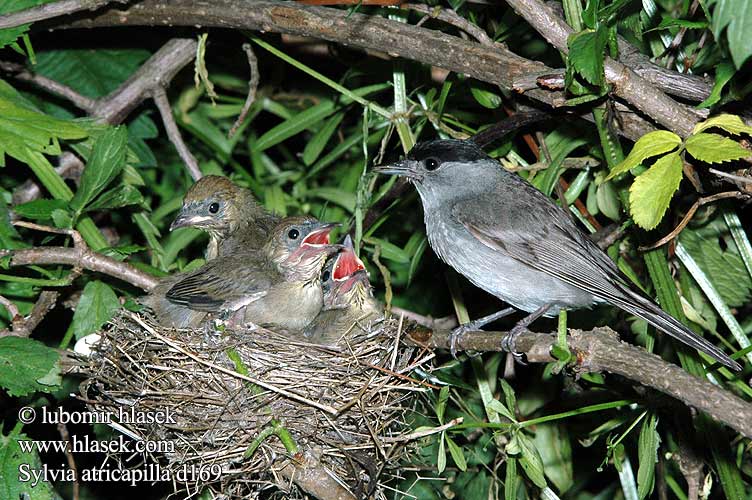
(348, 299)
(514, 242)
(278, 285)
(230, 214)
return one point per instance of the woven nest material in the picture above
(229, 393)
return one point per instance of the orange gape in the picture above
(352, 2)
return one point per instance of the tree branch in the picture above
(496, 64)
(23, 327)
(50, 10)
(307, 472)
(165, 111)
(600, 350)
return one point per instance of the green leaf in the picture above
(457, 455)
(553, 443)
(586, 54)
(441, 456)
(647, 452)
(316, 145)
(714, 148)
(39, 209)
(106, 162)
(530, 460)
(15, 464)
(119, 196)
(485, 98)
(735, 16)
(511, 479)
(730, 123)
(502, 410)
(98, 304)
(651, 192)
(650, 144)
(441, 403)
(298, 123)
(27, 366)
(723, 73)
(608, 201)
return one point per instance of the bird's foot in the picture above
(472, 326)
(509, 341)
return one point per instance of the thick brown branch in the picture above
(626, 83)
(494, 64)
(50, 10)
(83, 258)
(600, 350)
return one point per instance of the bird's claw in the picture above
(454, 338)
(509, 341)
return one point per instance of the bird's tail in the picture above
(642, 307)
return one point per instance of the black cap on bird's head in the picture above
(430, 156)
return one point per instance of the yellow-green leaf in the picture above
(730, 123)
(714, 148)
(651, 191)
(650, 144)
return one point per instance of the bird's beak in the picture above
(320, 235)
(347, 263)
(182, 220)
(401, 168)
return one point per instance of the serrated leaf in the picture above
(651, 192)
(106, 162)
(14, 462)
(650, 144)
(530, 461)
(117, 197)
(647, 452)
(714, 148)
(485, 98)
(27, 366)
(732, 124)
(98, 304)
(457, 455)
(39, 209)
(586, 54)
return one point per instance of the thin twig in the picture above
(253, 84)
(62, 429)
(11, 308)
(24, 327)
(690, 213)
(449, 16)
(733, 177)
(50, 10)
(20, 73)
(425, 432)
(160, 99)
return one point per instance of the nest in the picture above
(235, 401)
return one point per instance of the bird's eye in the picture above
(214, 208)
(431, 164)
(325, 276)
(293, 234)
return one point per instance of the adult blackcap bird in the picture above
(514, 242)
(230, 214)
(349, 304)
(280, 285)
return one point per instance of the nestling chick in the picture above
(348, 300)
(230, 214)
(280, 285)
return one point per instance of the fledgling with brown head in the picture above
(230, 214)
(349, 303)
(279, 285)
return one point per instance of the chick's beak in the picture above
(401, 168)
(182, 220)
(320, 235)
(347, 263)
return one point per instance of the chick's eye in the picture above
(293, 234)
(214, 208)
(325, 276)
(431, 164)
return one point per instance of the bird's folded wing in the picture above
(538, 234)
(211, 290)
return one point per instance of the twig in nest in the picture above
(600, 350)
(165, 111)
(696, 205)
(80, 256)
(252, 88)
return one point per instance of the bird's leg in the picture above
(508, 342)
(472, 326)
